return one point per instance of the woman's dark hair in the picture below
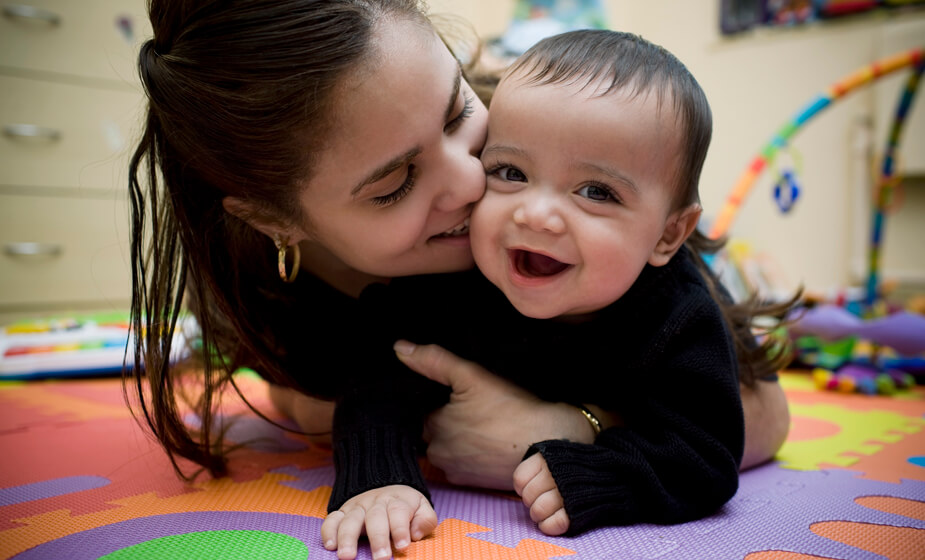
(623, 62)
(239, 100)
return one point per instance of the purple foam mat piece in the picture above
(49, 488)
(904, 332)
(773, 510)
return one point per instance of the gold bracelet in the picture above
(592, 419)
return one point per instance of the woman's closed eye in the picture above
(399, 193)
(598, 193)
(465, 113)
(408, 184)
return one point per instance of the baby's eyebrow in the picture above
(505, 149)
(611, 172)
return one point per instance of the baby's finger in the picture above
(377, 531)
(348, 533)
(538, 486)
(545, 505)
(424, 521)
(556, 524)
(329, 529)
(400, 523)
(526, 471)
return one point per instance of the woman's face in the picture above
(393, 188)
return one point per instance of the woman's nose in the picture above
(539, 212)
(462, 182)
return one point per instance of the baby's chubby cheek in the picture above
(481, 238)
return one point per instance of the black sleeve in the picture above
(677, 456)
(376, 441)
(379, 416)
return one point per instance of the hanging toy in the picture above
(861, 77)
(787, 189)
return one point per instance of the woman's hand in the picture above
(535, 485)
(399, 511)
(481, 435)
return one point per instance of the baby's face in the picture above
(579, 193)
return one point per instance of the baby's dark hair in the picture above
(614, 61)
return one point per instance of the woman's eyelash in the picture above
(400, 192)
(468, 108)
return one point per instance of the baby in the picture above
(595, 295)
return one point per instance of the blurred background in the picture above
(70, 105)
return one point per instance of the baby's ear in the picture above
(259, 220)
(678, 227)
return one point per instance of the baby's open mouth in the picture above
(461, 229)
(533, 265)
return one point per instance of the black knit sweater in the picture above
(661, 357)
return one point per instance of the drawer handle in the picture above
(32, 249)
(31, 131)
(20, 11)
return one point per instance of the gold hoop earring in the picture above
(282, 246)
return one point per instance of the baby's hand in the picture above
(534, 483)
(400, 510)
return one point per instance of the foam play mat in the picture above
(80, 479)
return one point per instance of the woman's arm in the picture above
(767, 422)
(479, 438)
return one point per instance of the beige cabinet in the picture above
(63, 250)
(70, 112)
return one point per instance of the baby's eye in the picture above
(508, 173)
(597, 193)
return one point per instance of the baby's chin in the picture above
(565, 312)
(554, 314)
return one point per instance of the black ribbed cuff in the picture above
(585, 479)
(373, 458)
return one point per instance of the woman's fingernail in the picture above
(329, 545)
(403, 347)
(382, 553)
(401, 544)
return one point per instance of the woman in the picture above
(294, 152)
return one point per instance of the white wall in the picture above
(756, 83)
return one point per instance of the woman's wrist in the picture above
(571, 424)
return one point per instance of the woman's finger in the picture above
(437, 364)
